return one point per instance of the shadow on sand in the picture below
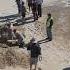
(16, 19)
(43, 41)
(68, 68)
(10, 17)
(22, 21)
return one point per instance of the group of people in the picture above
(10, 34)
(35, 47)
(35, 50)
(34, 5)
(32, 46)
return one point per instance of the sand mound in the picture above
(13, 57)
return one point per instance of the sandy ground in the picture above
(56, 54)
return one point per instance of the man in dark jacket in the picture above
(35, 52)
(19, 5)
(34, 9)
(29, 4)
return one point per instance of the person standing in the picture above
(49, 25)
(34, 9)
(19, 5)
(9, 31)
(23, 11)
(39, 2)
(29, 4)
(35, 51)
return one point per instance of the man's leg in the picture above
(31, 63)
(36, 60)
(39, 10)
(19, 9)
(49, 34)
(30, 66)
(34, 10)
(29, 6)
(35, 66)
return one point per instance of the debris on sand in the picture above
(11, 57)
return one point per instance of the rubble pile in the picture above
(11, 57)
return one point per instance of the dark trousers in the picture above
(19, 8)
(34, 11)
(49, 33)
(23, 15)
(30, 6)
(21, 45)
(39, 10)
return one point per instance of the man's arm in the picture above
(28, 46)
(51, 23)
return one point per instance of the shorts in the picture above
(33, 60)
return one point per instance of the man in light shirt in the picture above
(49, 25)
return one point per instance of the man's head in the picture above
(49, 14)
(32, 40)
(9, 25)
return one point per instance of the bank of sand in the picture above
(56, 54)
